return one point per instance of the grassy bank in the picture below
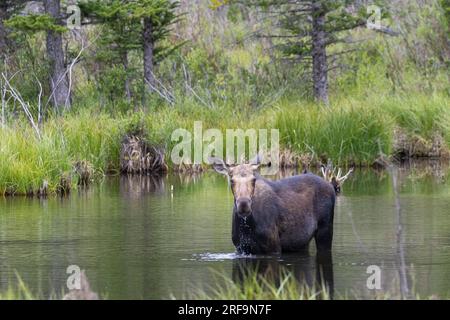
(253, 286)
(351, 130)
(285, 286)
(354, 130)
(29, 164)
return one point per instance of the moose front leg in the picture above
(268, 241)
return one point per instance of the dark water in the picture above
(150, 238)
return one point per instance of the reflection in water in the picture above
(308, 269)
(146, 237)
(434, 169)
(136, 186)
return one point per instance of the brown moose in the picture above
(270, 217)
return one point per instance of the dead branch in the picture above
(25, 105)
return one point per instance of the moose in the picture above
(271, 217)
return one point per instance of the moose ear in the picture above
(256, 161)
(219, 165)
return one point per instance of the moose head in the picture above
(242, 181)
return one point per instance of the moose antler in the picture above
(340, 178)
(328, 173)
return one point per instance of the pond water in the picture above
(148, 238)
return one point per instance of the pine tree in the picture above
(59, 83)
(7, 8)
(306, 28)
(51, 22)
(132, 25)
(3, 33)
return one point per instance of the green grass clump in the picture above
(355, 129)
(94, 137)
(18, 291)
(346, 132)
(27, 162)
(256, 286)
(284, 285)
(420, 114)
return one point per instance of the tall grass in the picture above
(256, 286)
(420, 114)
(18, 291)
(27, 162)
(351, 130)
(355, 129)
(285, 286)
(90, 136)
(346, 133)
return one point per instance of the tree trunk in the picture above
(127, 80)
(3, 33)
(149, 79)
(319, 53)
(58, 79)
